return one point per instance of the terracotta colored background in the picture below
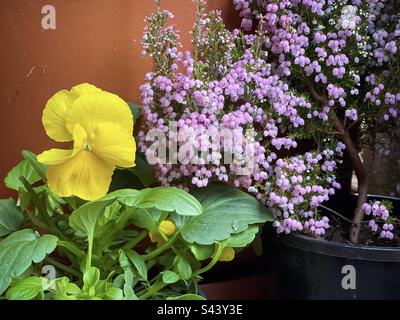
(96, 41)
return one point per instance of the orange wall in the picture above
(96, 41)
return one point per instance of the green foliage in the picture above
(103, 249)
(19, 250)
(10, 217)
(226, 211)
(26, 289)
(170, 277)
(23, 169)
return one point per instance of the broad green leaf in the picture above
(85, 218)
(169, 277)
(127, 197)
(10, 217)
(39, 168)
(143, 170)
(19, 250)
(23, 169)
(138, 262)
(164, 199)
(242, 239)
(226, 211)
(184, 268)
(202, 252)
(146, 218)
(25, 289)
(124, 179)
(114, 294)
(169, 200)
(187, 297)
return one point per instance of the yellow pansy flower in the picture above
(228, 254)
(166, 227)
(100, 124)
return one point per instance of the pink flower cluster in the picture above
(254, 84)
(344, 51)
(381, 221)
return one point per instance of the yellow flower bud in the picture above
(167, 228)
(228, 254)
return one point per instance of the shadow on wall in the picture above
(94, 41)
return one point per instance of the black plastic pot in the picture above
(307, 268)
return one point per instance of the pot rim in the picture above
(343, 250)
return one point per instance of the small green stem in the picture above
(161, 249)
(63, 267)
(42, 210)
(89, 254)
(133, 243)
(72, 248)
(147, 293)
(213, 262)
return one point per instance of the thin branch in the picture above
(336, 213)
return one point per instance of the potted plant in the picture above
(202, 116)
(342, 57)
(315, 81)
(86, 225)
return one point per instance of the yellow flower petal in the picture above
(228, 254)
(54, 156)
(55, 114)
(84, 88)
(92, 109)
(80, 138)
(167, 228)
(155, 236)
(85, 176)
(111, 142)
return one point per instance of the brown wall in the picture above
(96, 41)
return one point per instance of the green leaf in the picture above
(184, 268)
(135, 110)
(85, 218)
(10, 217)
(138, 262)
(64, 289)
(19, 250)
(124, 179)
(25, 289)
(143, 170)
(91, 277)
(201, 252)
(169, 200)
(226, 211)
(23, 169)
(114, 294)
(128, 277)
(242, 239)
(146, 218)
(39, 168)
(187, 297)
(169, 277)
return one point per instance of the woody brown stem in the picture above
(358, 165)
